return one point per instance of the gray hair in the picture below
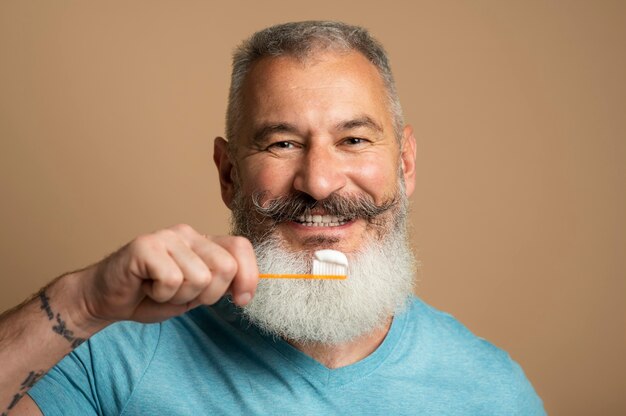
(300, 40)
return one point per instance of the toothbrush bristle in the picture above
(330, 262)
(327, 264)
(322, 268)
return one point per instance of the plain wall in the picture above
(108, 112)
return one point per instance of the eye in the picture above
(353, 141)
(281, 145)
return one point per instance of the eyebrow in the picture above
(364, 121)
(265, 131)
(261, 134)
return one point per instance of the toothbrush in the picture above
(327, 264)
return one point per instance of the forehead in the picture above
(329, 83)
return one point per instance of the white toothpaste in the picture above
(329, 262)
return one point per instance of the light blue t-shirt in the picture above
(212, 362)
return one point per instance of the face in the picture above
(318, 128)
(317, 149)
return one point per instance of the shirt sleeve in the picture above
(525, 400)
(99, 376)
(511, 393)
(68, 388)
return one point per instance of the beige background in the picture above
(108, 111)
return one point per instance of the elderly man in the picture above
(317, 157)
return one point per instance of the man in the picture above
(317, 157)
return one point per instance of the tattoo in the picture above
(45, 304)
(32, 378)
(60, 328)
(16, 399)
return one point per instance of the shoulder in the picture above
(81, 382)
(101, 374)
(443, 338)
(471, 363)
(441, 332)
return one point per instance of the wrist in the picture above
(67, 303)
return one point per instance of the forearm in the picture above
(39, 333)
(153, 278)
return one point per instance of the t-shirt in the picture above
(211, 361)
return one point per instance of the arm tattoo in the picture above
(45, 304)
(60, 327)
(32, 378)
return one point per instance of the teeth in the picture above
(321, 220)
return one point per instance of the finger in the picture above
(196, 273)
(176, 274)
(216, 261)
(186, 233)
(246, 278)
(164, 277)
(223, 268)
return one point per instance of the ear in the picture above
(407, 155)
(221, 157)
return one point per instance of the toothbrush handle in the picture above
(303, 276)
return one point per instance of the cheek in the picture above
(265, 177)
(377, 177)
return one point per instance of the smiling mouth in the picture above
(321, 220)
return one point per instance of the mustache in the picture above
(292, 206)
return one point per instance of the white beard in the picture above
(380, 280)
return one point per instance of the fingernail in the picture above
(244, 298)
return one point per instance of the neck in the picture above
(344, 354)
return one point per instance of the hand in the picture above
(166, 273)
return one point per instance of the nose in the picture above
(321, 172)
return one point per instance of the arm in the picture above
(36, 335)
(153, 278)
